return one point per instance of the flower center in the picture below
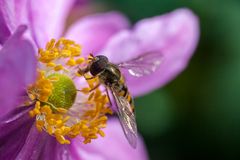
(63, 108)
(64, 91)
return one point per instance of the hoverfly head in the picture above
(98, 64)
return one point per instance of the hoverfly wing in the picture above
(127, 118)
(144, 64)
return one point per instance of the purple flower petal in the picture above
(113, 146)
(53, 150)
(47, 19)
(5, 33)
(14, 128)
(17, 69)
(33, 144)
(14, 13)
(19, 139)
(174, 35)
(92, 32)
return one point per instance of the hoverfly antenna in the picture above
(92, 54)
(90, 57)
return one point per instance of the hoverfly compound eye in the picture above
(102, 58)
(99, 64)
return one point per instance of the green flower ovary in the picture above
(64, 91)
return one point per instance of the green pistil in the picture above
(64, 91)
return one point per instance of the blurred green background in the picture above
(196, 116)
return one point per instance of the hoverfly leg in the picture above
(89, 78)
(92, 89)
(95, 87)
(83, 71)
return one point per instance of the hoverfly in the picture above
(111, 77)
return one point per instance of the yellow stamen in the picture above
(80, 60)
(90, 126)
(55, 93)
(51, 64)
(61, 49)
(58, 68)
(71, 62)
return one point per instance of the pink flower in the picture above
(173, 35)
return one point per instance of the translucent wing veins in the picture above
(127, 118)
(144, 64)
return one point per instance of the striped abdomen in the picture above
(123, 91)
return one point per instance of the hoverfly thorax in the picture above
(98, 64)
